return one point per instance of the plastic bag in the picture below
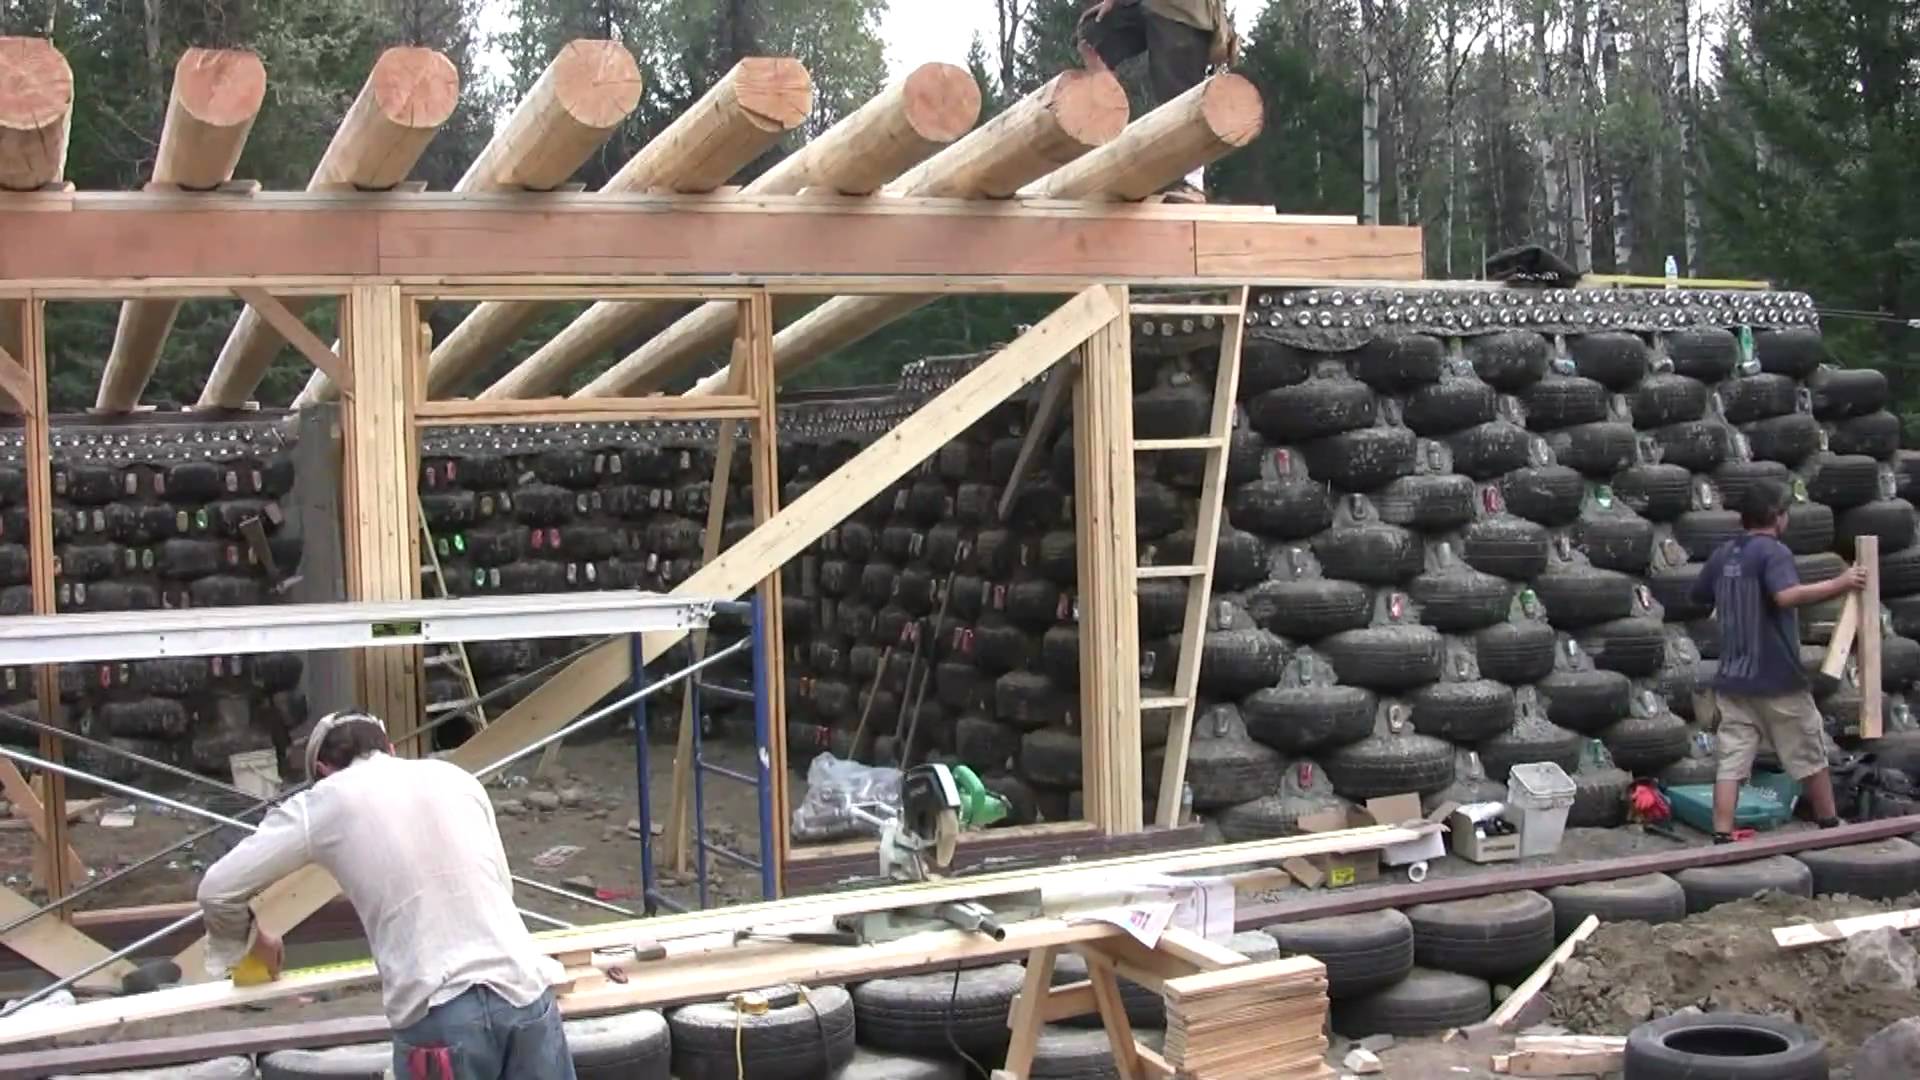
(834, 789)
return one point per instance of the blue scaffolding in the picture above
(761, 779)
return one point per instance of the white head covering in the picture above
(327, 723)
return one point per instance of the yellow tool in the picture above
(252, 971)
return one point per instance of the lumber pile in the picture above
(1249, 1022)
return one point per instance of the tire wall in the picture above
(150, 517)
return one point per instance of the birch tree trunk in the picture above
(1683, 104)
(1619, 193)
(1579, 82)
(1544, 150)
(1370, 114)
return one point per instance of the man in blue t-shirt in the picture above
(1761, 690)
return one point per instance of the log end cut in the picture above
(1090, 107)
(1233, 109)
(943, 102)
(36, 110)
(775, 92)
(414, 87)
(221, 88)
(596, 82)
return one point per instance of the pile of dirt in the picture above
(1725, 960)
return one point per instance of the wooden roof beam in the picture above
(747, 111)
(216, 97)
(36, 113)
(896, 130)
(582, 97)
(1070, 115)
(1199, 127)
(408, 95)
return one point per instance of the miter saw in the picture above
(937, 803)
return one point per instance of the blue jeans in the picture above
(481, 1036)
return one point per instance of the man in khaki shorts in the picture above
(1761, 691)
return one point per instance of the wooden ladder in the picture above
(1206, 533)
(453, 655)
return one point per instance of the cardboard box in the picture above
(1473, 847)
(1360, 866)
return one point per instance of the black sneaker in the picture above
(1832, 823)
(1722, 838)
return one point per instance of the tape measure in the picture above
(250, 971)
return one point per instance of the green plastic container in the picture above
(1766, 802)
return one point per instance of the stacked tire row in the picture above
(1432, 967)
(1464, 529)
(158, 517)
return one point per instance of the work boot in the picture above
(1184, 193)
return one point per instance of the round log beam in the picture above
(1196, 129)
(583, 95)
(36, 113)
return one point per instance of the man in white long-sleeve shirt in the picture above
(414, 848)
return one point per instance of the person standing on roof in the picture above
(1761, 690)
(1182, 39)
(414, 848)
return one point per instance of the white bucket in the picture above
(1541, 793)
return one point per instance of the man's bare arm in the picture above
(1812, 593)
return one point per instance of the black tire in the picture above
(1506, 546)
(1577, 597)
(1724, 1046)
(1000, 646)
(1635, 647)
(1843, 481)
(1707, 353)
(1655, 492)
(1157, 510)
(1560, 402)
(91, 562)
(1757, 397)
(1309, 609)
(1531, 739)
(1796, 352)
(625, 1046)
(1810, 530)
(1511, 360)
(1597, 450)
(1424, 1003)
(1386, 657)
(1303, 719)
(1463, 712)
(334, 1063)
(1399, 362)
(1361, 460)
(792, 1040)
(1615, 359)
(1697, 445)
(1235, 663)
(1702, 532)
(1435, 503)
(1599, 799)
(1735, 478)
(1363, 953)
(1239, 559)
(1906, 615)
(1906, 473)
(1221, 772)
(1310, 410)
(1389, 765)
(1649, 898)
(919, 1014)
(1050, 758)
(1373, 554)
(1880, 870)
(1616, 541)
(1033, 603)
(1899, 572)
(1515, 653)
(1266, 364)
(1449, 406)
(1668, 399)
(1025, 699)
(1549, 495)
(1462, 600)
(1876, 436)
(1268, 817)
(1891, 520)
(1899, 663)
(1167, 412)
(1492, 449)
(1646, 744)
(1586, 701)
(1073, 1053)
(1789, 440)
(1840, 393)
(1710, 886)
(1291, 508)
(1673, 590)
(1491, 937)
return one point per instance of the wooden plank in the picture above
(1244, 975)
(61, 869)
(199, 1046)
(28, 807)
(536, 410)
(1523, 995)
(289, 326)
(1435, 890)
(1109, 616)
(1187, 946)
(1802, 935)
(1113, 1014)
(568, 694)
(15, 383)
(1250, 251)
(1840, 646)
(1872, 697)
(763, 448)
(1025, 1019)
(57, 947)
(1563, 1055)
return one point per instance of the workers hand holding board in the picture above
(415, 849)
